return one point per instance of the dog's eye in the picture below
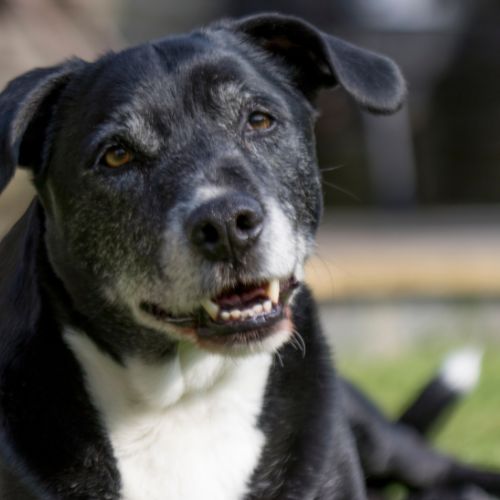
(259, 120)
(117, 156)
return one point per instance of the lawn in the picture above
(472, 432)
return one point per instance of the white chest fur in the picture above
(182, 430)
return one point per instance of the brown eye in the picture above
(117, 156)
(260, 121)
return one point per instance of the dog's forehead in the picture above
(166, 94)
(146, 89)
(165, 69)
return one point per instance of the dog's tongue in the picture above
(240, 296)
(243, 301)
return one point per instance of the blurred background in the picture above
(408, 261)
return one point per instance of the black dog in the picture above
(156, 339)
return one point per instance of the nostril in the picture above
(245, 221)
(225, 227)
(208, 233)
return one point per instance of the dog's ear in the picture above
(321, 60)
(19, 293)
(26, 105)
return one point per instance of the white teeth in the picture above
(273, 291)
(235, 314)
(257, 309)
(247, 313)
(214, 311)
(241, 314)
(211, 307)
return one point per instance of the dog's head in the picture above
(178, 178)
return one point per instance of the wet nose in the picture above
(225, 227)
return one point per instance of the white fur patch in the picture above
(461, 370)
(279, 244)
(183, 429)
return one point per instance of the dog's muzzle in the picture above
(225, 228)
(225, 232)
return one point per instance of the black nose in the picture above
(226, 227)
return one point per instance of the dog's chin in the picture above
(244, 319)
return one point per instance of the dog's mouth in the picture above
(238, 315)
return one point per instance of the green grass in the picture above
(471, 432)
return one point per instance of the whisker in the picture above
(342, 190)
(280, 359)
(331, 169)
(294, 342)
(298, 341)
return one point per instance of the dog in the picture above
(157, 339)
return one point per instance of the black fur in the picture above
(91, 227)
(297, 428)
(49, 430)
(321, 60)
(434, 401)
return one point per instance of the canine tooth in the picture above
(224, 315)
(235, 314)
(258, 309)
(273, 291)
(211, 307)
(267, 306)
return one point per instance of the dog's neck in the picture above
(156, 385)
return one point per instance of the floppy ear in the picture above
(321, 60)
(26, 105)
(19, 293)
